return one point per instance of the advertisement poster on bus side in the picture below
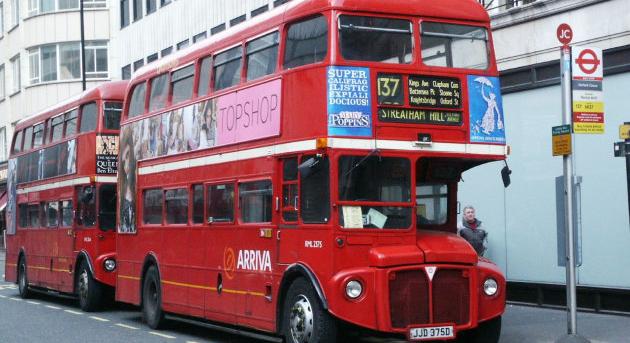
(486, 110)
(106, 154)
(349, 101)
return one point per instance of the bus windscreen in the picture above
(376, 39)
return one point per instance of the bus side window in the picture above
(111, 117)
(315, 189)
(262, 56)
(220, 203)
(71, 123)
(28, 138)
(289, 190)
(107, 207)
(306, 42)
(23, 215)
(176, 206)
(197, 209)
(66, 213)
(254, 201)
(51, 214)
(56, 128)
(17, 145)
(182, 83)
(159, 92)
(86, 206)
(136, 104)
(204, 76)
(227, 68)
(33, 215)
(88, 117)
(152, 206)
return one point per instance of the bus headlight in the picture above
(354, 289)
(109, 264)
(490, 287)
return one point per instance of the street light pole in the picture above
(82, 44)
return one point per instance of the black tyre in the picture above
(152, 299)
(487, 332)
(304, 319)
(90, 291)
(25, 292)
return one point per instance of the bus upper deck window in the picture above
(28, 138)
(38, 135)
(204, 76)
(375, 39)
(111, 117)
(56, 128)
(262, 56)
(17, 145)
(306, 42)
(88, 117)
(136, 104)
(227, 68)
(159, 92)
(182, 83)
(71, 123)
(454, 46)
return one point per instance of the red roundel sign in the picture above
(587, 61)
(564, 33)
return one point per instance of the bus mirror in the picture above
(306, 168)
(505, 175)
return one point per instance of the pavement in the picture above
(526, 324)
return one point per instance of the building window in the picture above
(15, 70)
(164, 2)
(217, 29)
(237, 20)
(3, 144)
(63, 61)
(260, 10)
(166, 51)
(71, 4)
(15, 12)
(199, 37)
(152, 57)
(96, 59)
(151, 6)
(2, 92)
(36, 7)
(182, 44)
(126, 72)
(1, 19)
(137, 10)
(124, 13)
(138, 64)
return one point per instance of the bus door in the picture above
(63, 254)
(85, 220)
(255, 249)
(304, 207)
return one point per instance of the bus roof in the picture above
(468, 10)
(114, 90)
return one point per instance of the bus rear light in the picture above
(109, 264)
(321, 143)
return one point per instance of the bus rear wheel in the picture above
(152, 299)
(304, 319)
(90, 291)
(25, 292)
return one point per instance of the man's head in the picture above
(469, 214)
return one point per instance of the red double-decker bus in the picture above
(61, 210)
(301, 170)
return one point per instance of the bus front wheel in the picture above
(152, 299)
(304, 319)
(25, 292)
(90, 292)
(487, 332)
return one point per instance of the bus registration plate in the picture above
(421, 334)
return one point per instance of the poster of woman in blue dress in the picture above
(486, 110)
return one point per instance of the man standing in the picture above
(471, 230)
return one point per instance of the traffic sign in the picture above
(564, 33)
(561, 140)
(587, 63)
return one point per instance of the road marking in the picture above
(162, 335)
(32, 302)
(16, 299)
(53, 307)
(99, 319)
(73, 312)
(126, 326)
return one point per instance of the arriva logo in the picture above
(255, 260)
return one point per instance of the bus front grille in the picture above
(451, 296)
(409, 297)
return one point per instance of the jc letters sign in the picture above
(564, 33)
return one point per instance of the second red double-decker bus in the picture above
(61, 210)
(301, 170)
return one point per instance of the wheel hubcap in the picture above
(301, 320)
(83, 285)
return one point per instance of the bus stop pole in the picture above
(567, 113)
(568, 194)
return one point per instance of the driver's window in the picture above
(431, 203)
(107, 207)
(86, 206)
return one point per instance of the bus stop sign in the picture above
(564, 33)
